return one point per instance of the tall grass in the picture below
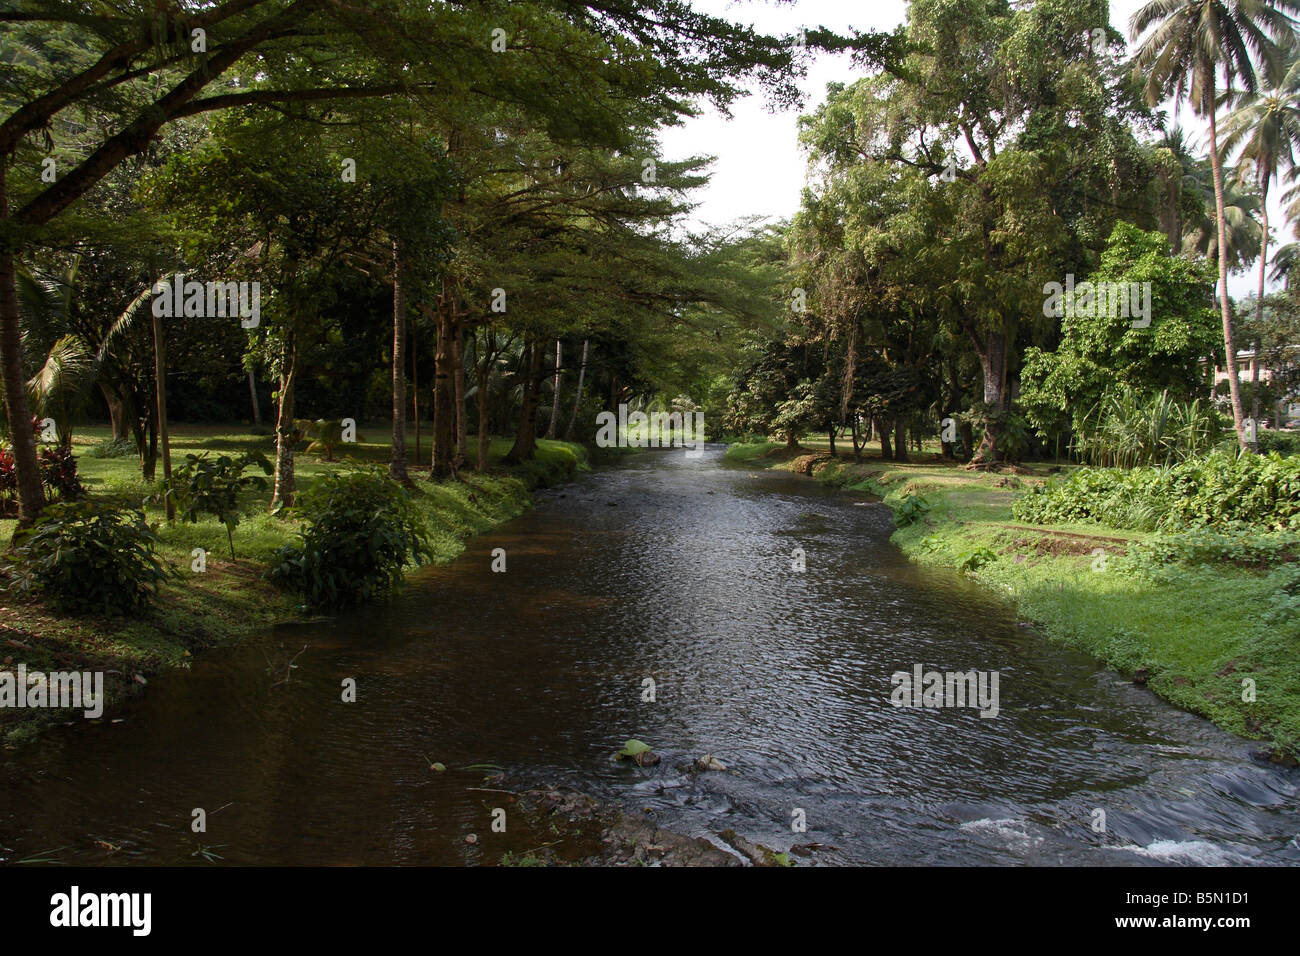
(1123, 430)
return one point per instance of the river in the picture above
(679, 570)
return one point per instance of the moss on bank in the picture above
(231, 599)
(1191, 634)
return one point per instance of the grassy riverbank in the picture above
(1191, 634)
(231, 599)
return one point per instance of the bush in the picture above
(1221, 490)
(362, 530)
(911, 509)
(1284, 443)
(59, 474)
(85, 557)
(59, 478)
(211, 486)
(1248, 547)
(112, 448)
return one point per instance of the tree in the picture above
(1100, 350)
(1190, 43)
(151, 66)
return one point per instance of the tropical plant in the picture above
(1124, 431)
(205, 485)
(325, 435)
(362, 529)
(1190, 43)
(88, 557)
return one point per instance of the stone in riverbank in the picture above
(615, 838)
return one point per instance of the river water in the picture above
(679, 570)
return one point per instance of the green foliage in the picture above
(362, 531)
(1246, 547)
(325, 434)
(911, 508)
(975, 559)
(1102, 352)
(1284, 443)
(1124, 431)
(212, 486)
(1220, 490)
(111, 448)
(85, 557)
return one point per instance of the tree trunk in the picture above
(397, 454)
(525, 446)
(151, 450)
(458, 388)
(900, 440)
(444, 423)
(415, 385)
(285, 433)
(555, 400)
(1259, 309)
(830, 431)
(119, 425)
(993, 363)
(1225, 308)
(577, 401)
(881, 428)
(160, 391)
(857, 446)
(482, 372)
(252, 393)
(19, 417)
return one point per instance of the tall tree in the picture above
(1192, 42)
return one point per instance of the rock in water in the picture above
(708, 762)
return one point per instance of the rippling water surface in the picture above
(679, 570)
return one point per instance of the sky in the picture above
(759, 166)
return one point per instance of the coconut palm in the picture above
(1190, 43)
(1284, 263)
(1242, 231)
(1264, 131)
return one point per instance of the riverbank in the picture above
(231, 599)
(1195, 636)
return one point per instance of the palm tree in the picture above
(1242, 233)
(1265, 132)
(1191, 42)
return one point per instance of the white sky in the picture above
(760, 168)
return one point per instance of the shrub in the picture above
(85, 557)
(59, 473)
(362, 530)
(1284, 443)
(112, 448)
(1223, 490)
(975, 559)
(211, 486)
(58, 470)
(1243, 546)
(911, 509)
(326, 434)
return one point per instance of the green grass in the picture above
(1194, 633)
(231, 600)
